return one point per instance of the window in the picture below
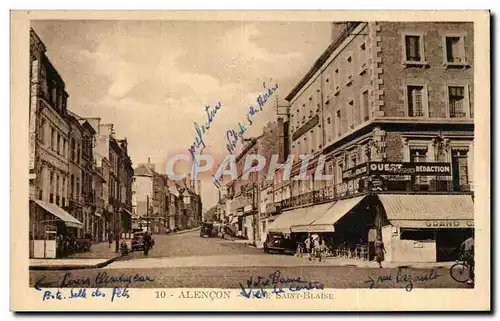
(57, 189)
(413, 48)
(42, 131)
(78, 153)
(366, 105)
(339, 123)
(72, 185)
(456, 99)
(72, 149)
(351, 114)
(51, 195)
(340, 169)
(460, 169)
(52, 138)
(363, 58)
(58, 148)
(337, 81)
(455, 52)
(417, 156)
(354, 159)
(349, 67)
(415, 101)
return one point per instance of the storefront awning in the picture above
(127, 211)
(333, 214)
(55, 210)
(303, 223)
(429, 211)
(284, 221)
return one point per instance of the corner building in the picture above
(390, 106)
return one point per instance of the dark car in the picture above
(207, 230)
(277, 242)
(138, 241)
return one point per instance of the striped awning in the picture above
(441, 211)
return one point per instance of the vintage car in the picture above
(277, 242)
(137, 243)
(207, 230)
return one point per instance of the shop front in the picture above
(48, 222)
(426, 228)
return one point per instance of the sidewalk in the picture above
(101, 255)
(373, 264)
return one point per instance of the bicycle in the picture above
(460, 270)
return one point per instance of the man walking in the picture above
(110, 238)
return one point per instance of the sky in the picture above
(154, 79)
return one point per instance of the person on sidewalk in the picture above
(316, 248)
(379, 251)
(468, 252)
(308, 247)
(110, 238)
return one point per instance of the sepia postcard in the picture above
(250, 161)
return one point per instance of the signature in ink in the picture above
(202, 130)
(233, 136)
(259, 287)
(402, 277)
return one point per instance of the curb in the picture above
(184, 232)
(73, 267)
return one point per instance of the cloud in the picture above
(153, 79)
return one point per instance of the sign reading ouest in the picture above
(398, 168)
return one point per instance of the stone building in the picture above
(389, 105)
(114, 163)
(49, 146)
(150, 201)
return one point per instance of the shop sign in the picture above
(449, 223)
(356, 171)
(407, 168)
(350, 187)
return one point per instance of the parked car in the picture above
(137, 243)
(83, 244)
(277, 242)
(206, 230)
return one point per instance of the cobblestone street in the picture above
(187, 260)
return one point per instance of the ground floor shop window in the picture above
(417, 235)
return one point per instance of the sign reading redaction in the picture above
(398, 168)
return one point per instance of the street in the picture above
(186, 260)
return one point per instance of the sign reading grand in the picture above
(406, 168)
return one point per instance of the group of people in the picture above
(314, 247)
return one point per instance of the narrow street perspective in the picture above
(211, 154)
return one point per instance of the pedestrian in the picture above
(308, 247)
(468, 252)
(110, 238)
(379, 250)
(322, 250)
(316, 248)
(147, 242)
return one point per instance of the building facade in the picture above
(389, 108)
(150, 201)
(49, 147)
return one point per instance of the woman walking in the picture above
(379, 251)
